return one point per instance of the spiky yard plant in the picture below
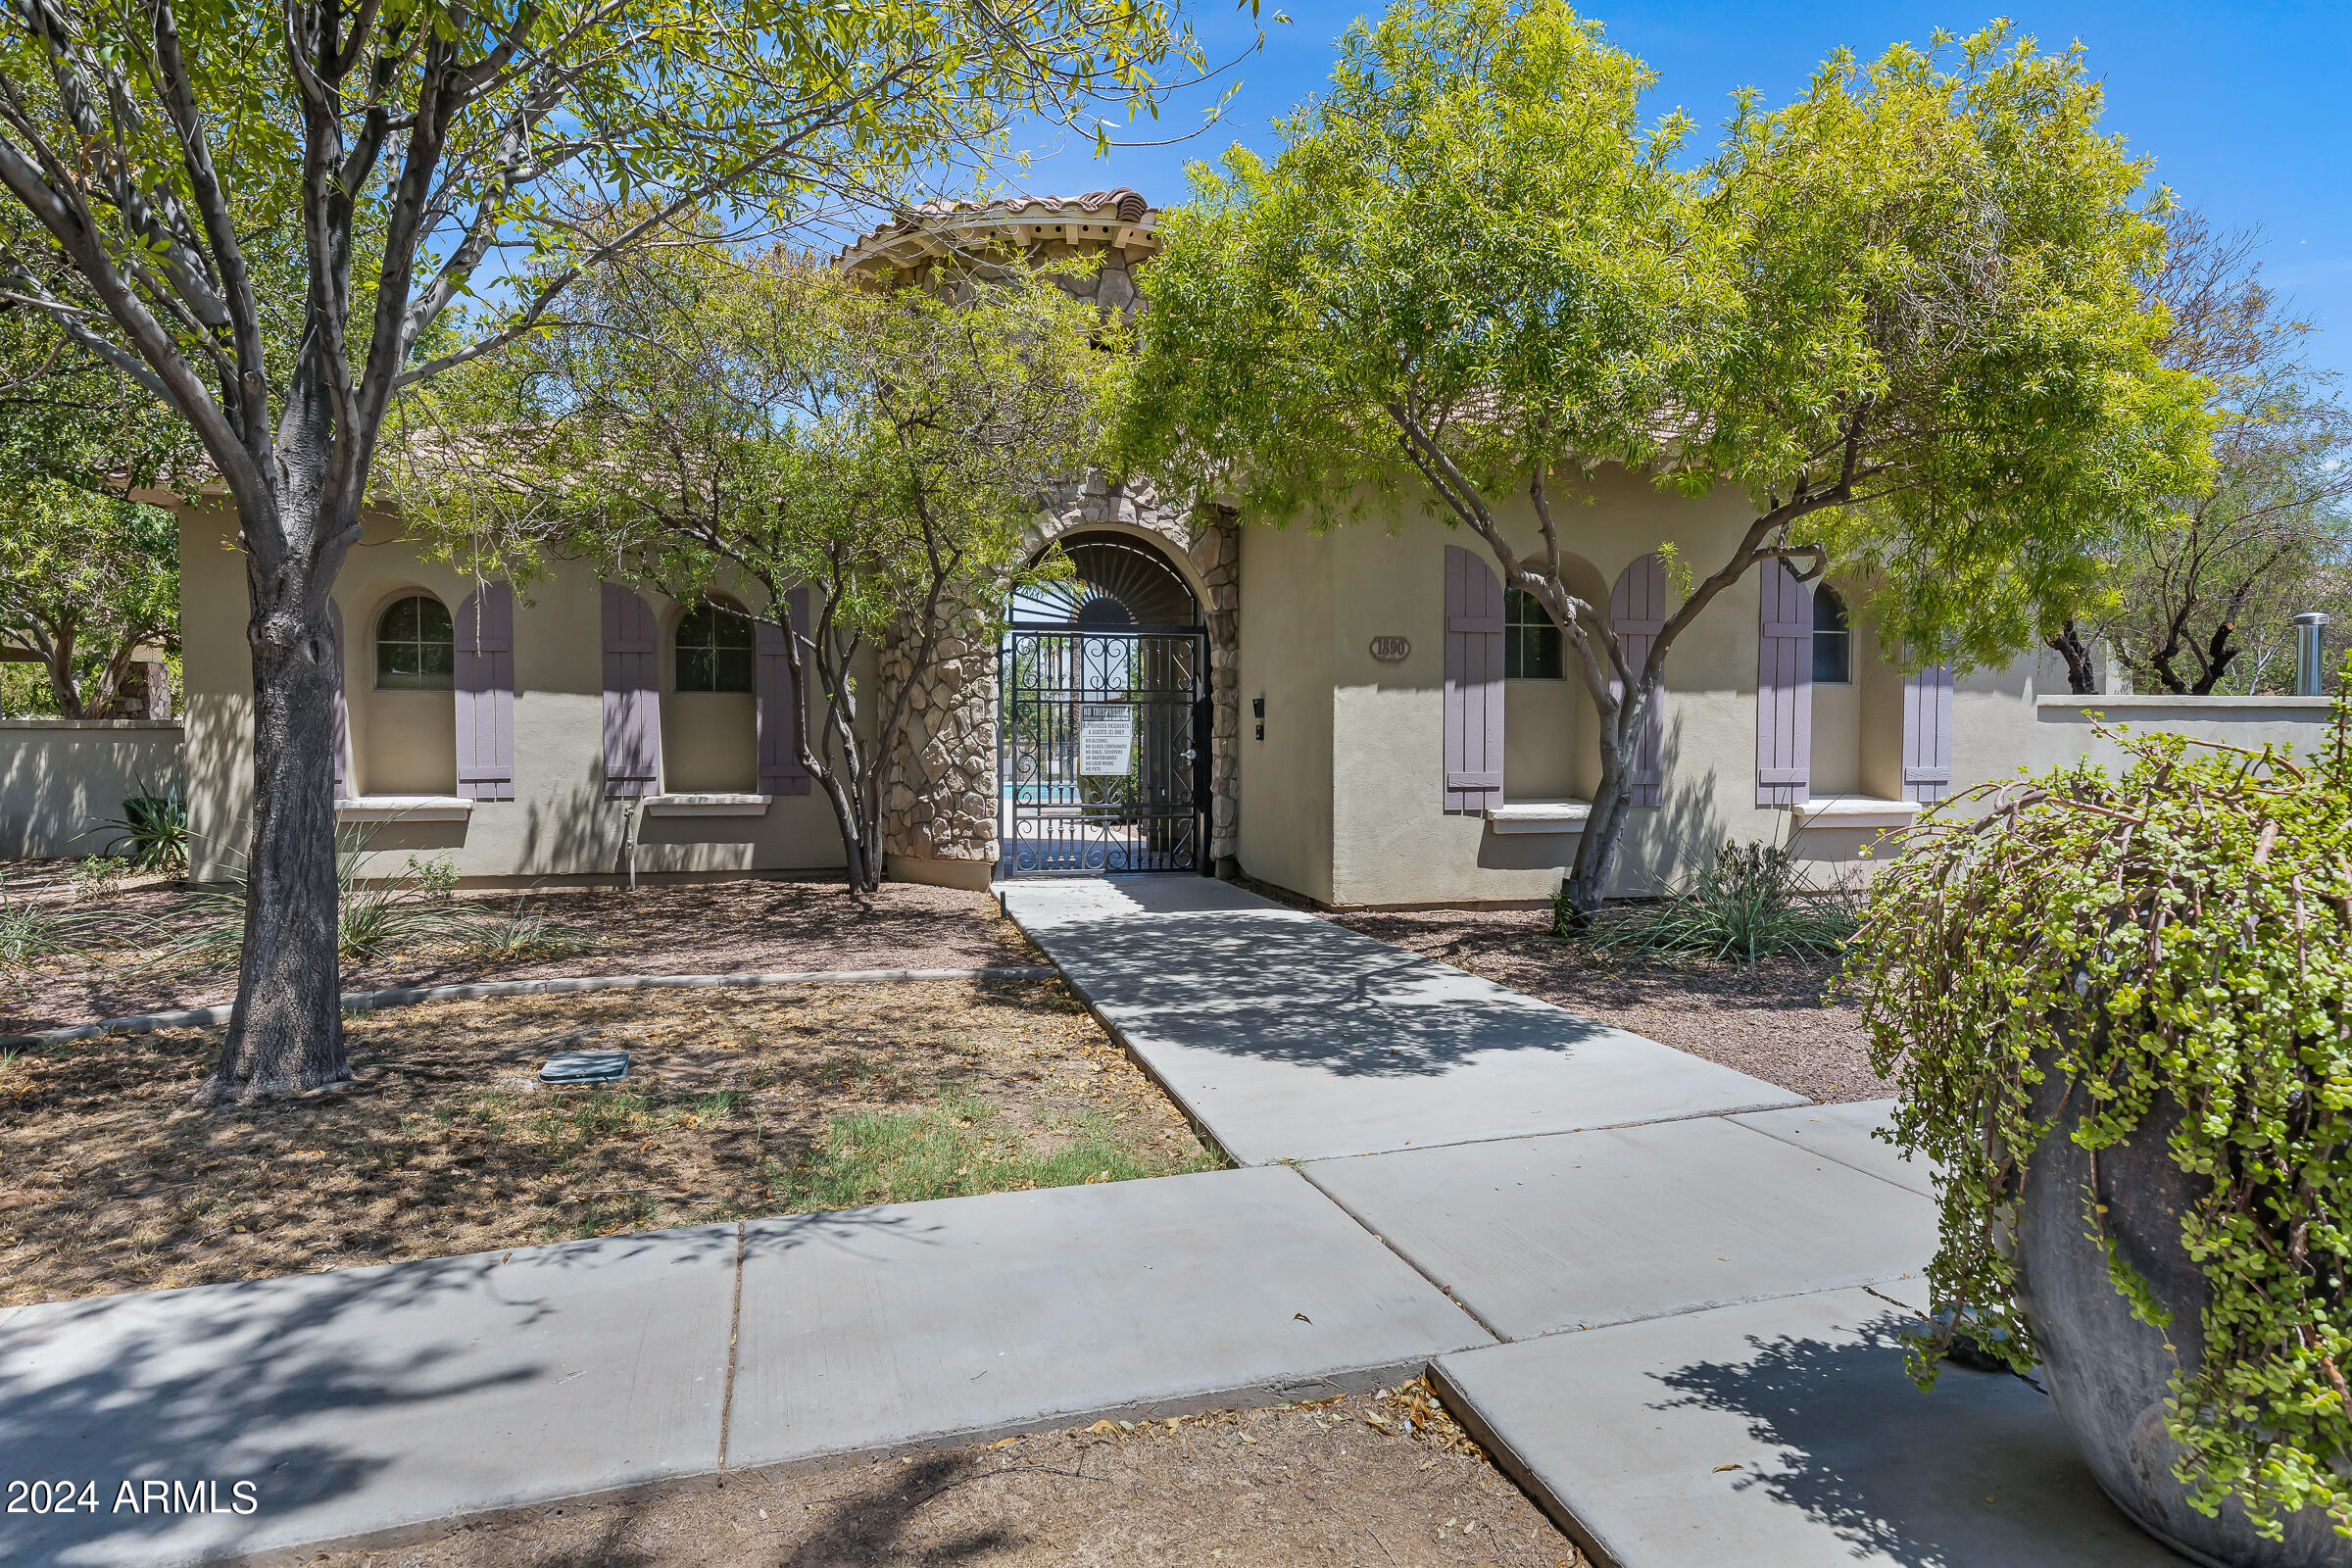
(1752, 901)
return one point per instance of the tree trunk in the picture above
(62, 689)
(1597, 846)
(285, 1032)
(2219, 655)
(2082, 675)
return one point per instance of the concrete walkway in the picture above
(1290, 1038)
(1666, 1295)
(1702, 1299)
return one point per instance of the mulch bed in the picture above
(1769, 1022)
(739, 1104)
(1381, 1480)
(748, 925)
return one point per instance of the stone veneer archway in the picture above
(939, 805)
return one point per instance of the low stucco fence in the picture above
(59, 775)
(2299, 724)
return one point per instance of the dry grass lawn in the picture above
(739, 925)
(738, 1104)
(1371, 1481)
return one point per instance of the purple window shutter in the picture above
(780, 770)
(632, 696)
(1785, 689)
(1638, 614)
(334, 620)
(485, 686)
(1928, 734)
(1473, 683)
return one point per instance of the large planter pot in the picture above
(2106, 1371)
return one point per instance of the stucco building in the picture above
(1363, 716)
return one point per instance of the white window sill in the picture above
(1539, 816)
(1849, 810)
(707, 805)
(402, 808)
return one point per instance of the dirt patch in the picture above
(788, 1099)
(1352, 1483)
(1768, 1022)
(746, 927)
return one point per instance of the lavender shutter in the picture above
(1473, 683)
(1785, 689)
(342, 740)
(780, 770)
(632, 696)
(1928, 734)
(1638, 614)
(486, 690)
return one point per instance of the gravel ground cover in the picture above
(1382, 1479)
(739, 1104)
(741, 926)
(1769, 1022)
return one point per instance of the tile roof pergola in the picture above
(1118, 219)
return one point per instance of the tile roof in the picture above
(1119, 207)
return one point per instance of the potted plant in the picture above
(2117, 1009)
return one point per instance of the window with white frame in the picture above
(1531, 642)
(416, 646)
(1832, 639)
(715, 649)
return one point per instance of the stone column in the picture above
(939, 793)
(1216, 554)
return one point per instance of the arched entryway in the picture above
(1104, 718)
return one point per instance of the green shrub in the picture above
(31, 931)
(524, 934)
(2181, 931)
(1752, 902)
(151, 833)
(375, 915)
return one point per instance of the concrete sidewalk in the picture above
(365, 1400)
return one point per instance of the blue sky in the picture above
(2245, 108)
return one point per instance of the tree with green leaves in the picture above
(85, 582)
(2206, 605)
(1899, 313)
(446, 176)
(709, 419)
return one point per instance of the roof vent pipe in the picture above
(2310, 628)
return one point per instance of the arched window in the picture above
(1530, 643)
(714, 650)
(415, 649)
(1833, 641)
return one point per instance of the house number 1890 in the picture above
(1392, 650)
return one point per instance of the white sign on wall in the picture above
(1105, 739)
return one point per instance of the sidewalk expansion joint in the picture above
(726, 1406)
(1444, 1289)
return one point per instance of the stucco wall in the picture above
(560, 826)
(59, 775)
(1313, 605)
(1287, 827)
(1392, 843)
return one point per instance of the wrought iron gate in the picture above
(1105, 745)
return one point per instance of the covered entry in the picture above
(1104, 727)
